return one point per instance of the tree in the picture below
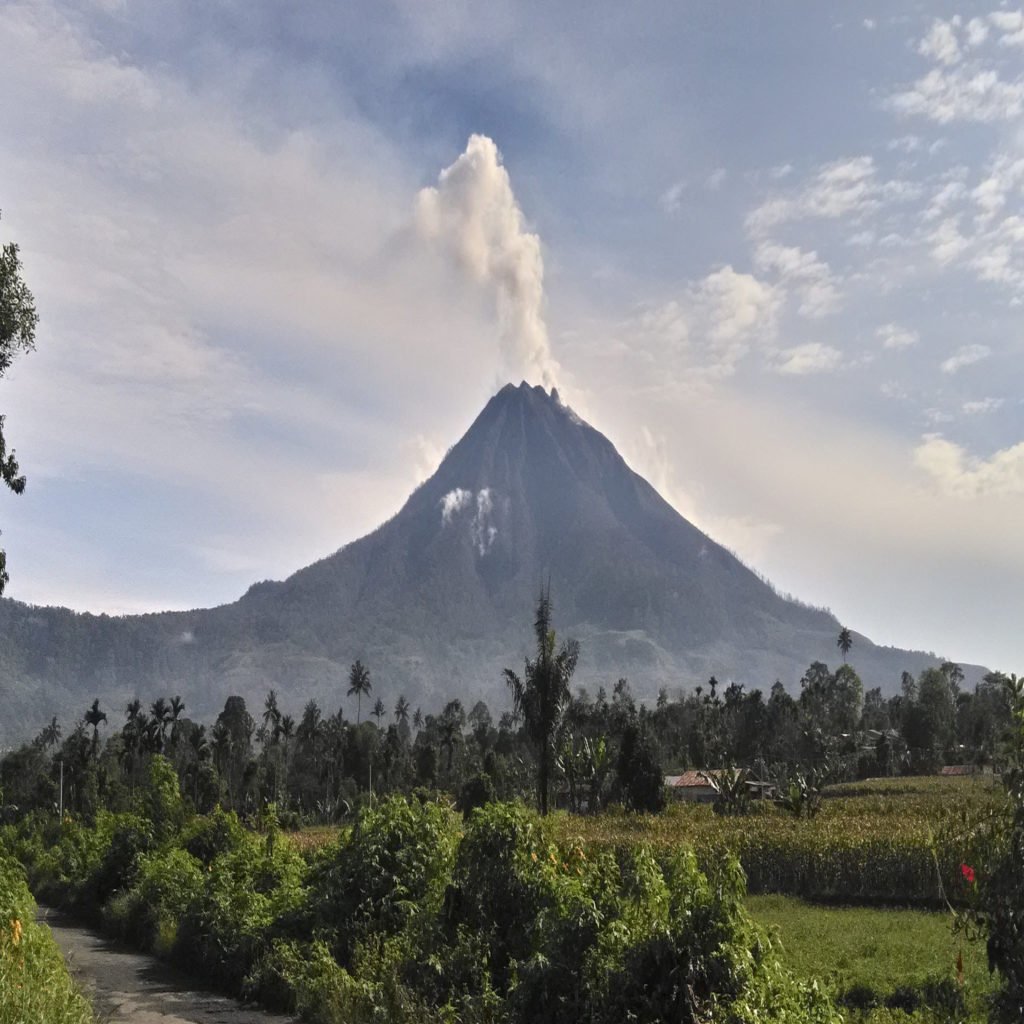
(359, 684)
(845, 642)
(402, 710)
(543, 693)
(379, 711)
(94, 717)
(18, 320)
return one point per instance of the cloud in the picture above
(966, 355)
(941, 43)
(947, 242)
(812, 357)
(1010, 25)
(804, 271)
(716, 179)
(981, 406)
(840, 189)
(671, 199)
(734, 305)
(960, 474)
(960, 89)
(710, 327)
(894, 336)
(473, 213)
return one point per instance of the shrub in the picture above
(35, 987)
(393, 866)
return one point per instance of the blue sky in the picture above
(775, 252)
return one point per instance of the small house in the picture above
(691, 786)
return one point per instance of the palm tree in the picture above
(161, 712)
(359, 684)
(401, 710)
(271, 716)
(543, 693)
(94, 717)
(451, 722)
(176, 708)
(417, 720)
(378, 711)
(50, 736)
(845, 642)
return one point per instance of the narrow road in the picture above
(133, 988)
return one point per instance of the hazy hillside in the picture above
(438, 599)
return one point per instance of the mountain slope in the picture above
(438, 599)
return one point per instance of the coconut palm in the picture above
(378, 711)
(543, 693)
(359, 684)
(402, 710)
(845, 642)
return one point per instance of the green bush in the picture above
(392, 867)
(35, 987)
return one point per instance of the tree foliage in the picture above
(18, 320)
(543, 693)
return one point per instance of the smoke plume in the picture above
(474, 216)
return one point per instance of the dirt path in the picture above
(132, 988)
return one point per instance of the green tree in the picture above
(359, 684)
(542, 694)
(94, 717)
(845, 642)
(18, 320)
(379, 711)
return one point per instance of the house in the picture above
(692, 786)
(955, 770)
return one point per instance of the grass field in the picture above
(873, 955)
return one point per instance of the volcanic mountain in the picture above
(441, 597)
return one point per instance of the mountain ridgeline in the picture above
(440, 598)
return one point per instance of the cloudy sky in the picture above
(283, 254)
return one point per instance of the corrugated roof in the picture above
(688, 780)
(960, 769)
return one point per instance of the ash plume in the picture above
(473, 215)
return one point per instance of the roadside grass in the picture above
(865, 956)
(35, 986)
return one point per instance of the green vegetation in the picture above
(18, 321)
(415, 914)
(873, 958)
(870, 843)
(35, 987)
(442, 897)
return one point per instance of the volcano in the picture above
(441, 597)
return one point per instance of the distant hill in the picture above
(440, 598)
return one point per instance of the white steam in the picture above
(481, 529)
(474, 216)
(452, 502)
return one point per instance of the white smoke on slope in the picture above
(452, 502)
(474, 215)
(481, 530)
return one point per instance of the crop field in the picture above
(868, 957)
(874, 842)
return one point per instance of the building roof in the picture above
(960, 769)
(688, 780)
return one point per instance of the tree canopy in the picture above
(18, 319)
